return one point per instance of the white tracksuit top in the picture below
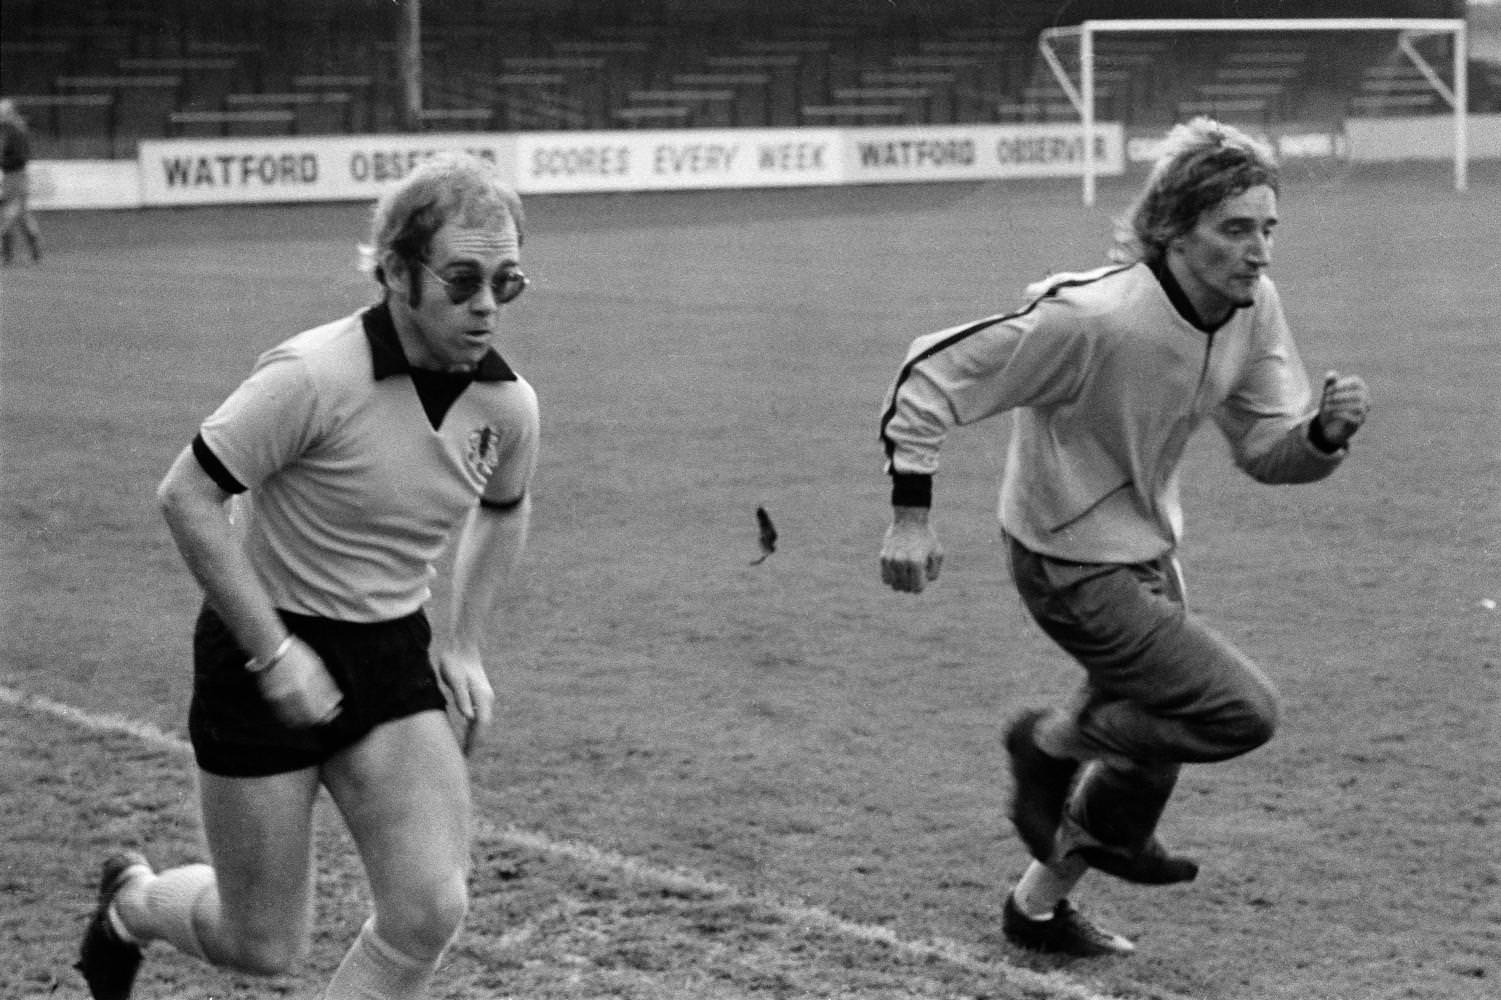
(1108, 379)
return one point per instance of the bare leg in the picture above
(252, 910)
(404, 794)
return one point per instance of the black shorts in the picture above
(383, 669)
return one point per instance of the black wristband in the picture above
(1318, 440)
(911, 489)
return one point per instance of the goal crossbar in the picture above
(1082, 94)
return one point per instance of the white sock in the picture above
(169, 907)
(375, 970)
(133, 886)
(117, 925)
(1042, 887)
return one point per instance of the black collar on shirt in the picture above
(389, 359)
(1179, 298)
(436, 391)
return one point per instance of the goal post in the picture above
(1083, 93)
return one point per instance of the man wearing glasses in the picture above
(364, 445)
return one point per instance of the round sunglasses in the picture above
(506, 284)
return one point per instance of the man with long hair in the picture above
(1108, 373)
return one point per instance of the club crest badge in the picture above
(483, 453)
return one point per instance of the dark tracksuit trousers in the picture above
(1162, 689)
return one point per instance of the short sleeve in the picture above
(267, 422)
(519, 442)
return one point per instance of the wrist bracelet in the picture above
(256, 665)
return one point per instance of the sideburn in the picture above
(414, 284)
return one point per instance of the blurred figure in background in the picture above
(365, 446)
(15, 184)
(1109, 373)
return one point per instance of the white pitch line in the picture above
(794, 911)
(953, 952)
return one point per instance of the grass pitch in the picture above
(817, 758)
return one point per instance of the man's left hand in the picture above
(470, 695)
(1343, 408)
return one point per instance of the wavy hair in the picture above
(448, 187)
(1202, 163)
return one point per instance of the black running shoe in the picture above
(1152, 865)
(1066, 932)
(1040, 785)
(108, 964)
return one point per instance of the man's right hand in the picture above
(300, 689)
(911, 555)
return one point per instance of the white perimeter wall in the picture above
(343, 168)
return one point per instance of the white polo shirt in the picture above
(356, 478)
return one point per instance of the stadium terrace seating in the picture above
(77, 126)
(915, 102)
(29, 67)
(140, 104)
(706, 107)
(750, 93)
(314, 112)
(1394, 88)
(205, 80)
(854, 114)
(652, 116)
(784, 86)
(526, 99)
(457, 119)
(257, 122)
(97, 76)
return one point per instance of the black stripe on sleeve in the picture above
(969, 331)
(489, 504)
(215, 468)
(906, 371)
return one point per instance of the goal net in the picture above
(1260, 72)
